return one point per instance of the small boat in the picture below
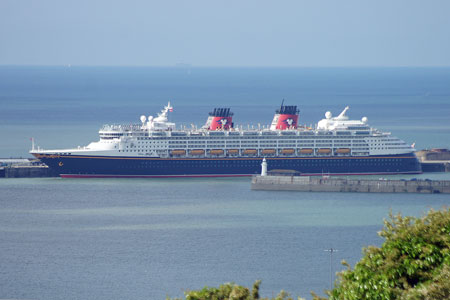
(268, 151)
(324, 151)
(343, 151)
(197, 152)
(306, 151)
(250, 151)
(178, 152)
(216, 152)
(288, 151)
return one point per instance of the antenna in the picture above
(331, 250)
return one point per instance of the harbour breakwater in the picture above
(434, 160)
(27, 171)
(24, 167)
(321, 184)
(435, 166)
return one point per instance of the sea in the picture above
(158, 238)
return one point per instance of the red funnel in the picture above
(285, 118)
(220, 119)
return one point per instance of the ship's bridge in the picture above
(110, 132)
(150, 124)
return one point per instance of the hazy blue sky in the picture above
(226, 33)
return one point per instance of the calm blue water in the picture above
(146, 239)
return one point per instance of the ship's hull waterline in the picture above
(105, 166)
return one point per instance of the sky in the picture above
(231, 33)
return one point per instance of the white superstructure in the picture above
(157, 137)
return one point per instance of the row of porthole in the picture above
(194, 163)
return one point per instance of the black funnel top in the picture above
(221, 112)
(288, 110)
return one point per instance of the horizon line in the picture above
(187, 66)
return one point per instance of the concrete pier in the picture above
(434, 160)
(27, 171)
(318, 184)
(23, 168)
(435, 166)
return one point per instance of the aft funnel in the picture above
(286, 117)
(220, 119)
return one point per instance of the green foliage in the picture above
(224, 292)
(255, 289)
(413, 262)
(231, 291)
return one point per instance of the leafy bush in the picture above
(413, 262)
(231, 291)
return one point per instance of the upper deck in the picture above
(336, 136)
(136, 130)
(160, 127)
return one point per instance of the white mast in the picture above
(342, 115)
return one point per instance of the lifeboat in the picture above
(268, 151)
(343, 151)
(233, 151)
(250, 152)
(178, 152)
(197, 152)
(287, 151)
(216, 152)
(324, 151)
(306, 151)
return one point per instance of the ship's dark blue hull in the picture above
(102, 166)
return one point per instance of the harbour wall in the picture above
(318, 184)
(434, 160)
(26, 171)
(433, 155)
(435, 166)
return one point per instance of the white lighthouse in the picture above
(264, 167)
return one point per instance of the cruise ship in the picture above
(157, 148)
